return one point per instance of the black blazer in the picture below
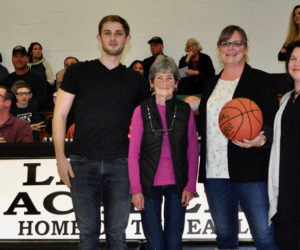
(244, 165)
(194, 84)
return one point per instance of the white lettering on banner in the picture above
(35, 204)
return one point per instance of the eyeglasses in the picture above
(191, 46)
(23, 93)
(157, 132)
(3, 97)
(234, 44)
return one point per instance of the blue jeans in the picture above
(223, 197)
(168, 238)
(100, 181)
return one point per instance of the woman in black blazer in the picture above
(235, 172)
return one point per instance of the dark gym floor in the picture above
(132, 245)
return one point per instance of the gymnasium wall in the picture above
(69, 27)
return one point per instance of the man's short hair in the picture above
(8, 94)
(114, 18)
(20, 84)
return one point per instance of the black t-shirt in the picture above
(105, 100)
(31, 114)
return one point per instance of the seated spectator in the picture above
(69, 61)
(137, 65)
(37, 84)
(38, 64)
(3, 70)
(59, 75)
(27, 110)
(200, 67)
(12, 129)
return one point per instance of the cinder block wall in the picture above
(69, 27)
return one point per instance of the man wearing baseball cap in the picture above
(38, 85)
(156, 48)
(19, 49)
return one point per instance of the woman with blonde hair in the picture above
(293, 33)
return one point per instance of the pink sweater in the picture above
(165, 172)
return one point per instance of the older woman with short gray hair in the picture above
(163, 158)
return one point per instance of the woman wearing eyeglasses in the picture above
(200, 67)
(235, 172)
(163, 158)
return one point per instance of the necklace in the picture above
(297, 93)
(157, 132)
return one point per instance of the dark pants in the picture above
(223, 197)
(99, 181)
(169, 237)
(287, 235)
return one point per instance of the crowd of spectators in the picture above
(29, 95)
(34, 73)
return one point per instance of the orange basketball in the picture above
(240, 119)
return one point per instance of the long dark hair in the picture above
(31, 48)
(135, 62)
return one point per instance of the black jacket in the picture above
(244, 165)
(194, 84)
(152, 142)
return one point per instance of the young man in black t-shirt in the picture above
(106, 94)
(27, 110)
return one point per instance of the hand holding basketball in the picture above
(258, 141)
(240, 119)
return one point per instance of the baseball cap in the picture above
(156, 39)
(19, 49)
